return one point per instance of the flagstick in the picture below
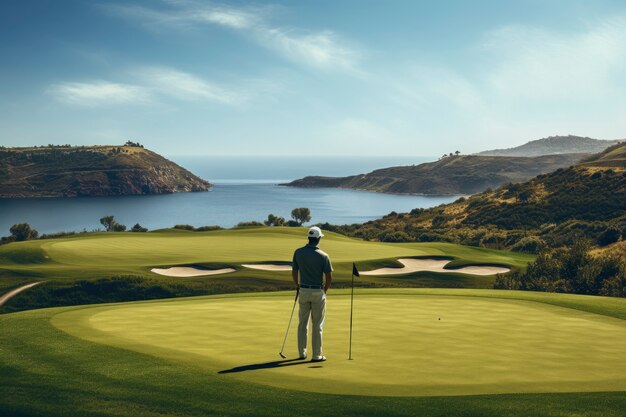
(351, 304)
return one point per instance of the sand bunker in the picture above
(435, 265)
(268, 267)
(188, 271)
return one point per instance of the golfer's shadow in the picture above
(265, 365)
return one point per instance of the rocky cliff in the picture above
(88, 171)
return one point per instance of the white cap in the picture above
(315, 232)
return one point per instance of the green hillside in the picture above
(451, 175)
(594, 190)
(582, 200)
(66, 171)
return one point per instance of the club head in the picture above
(281, 355)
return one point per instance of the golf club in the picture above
(289, 325)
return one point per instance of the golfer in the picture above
(313, 265)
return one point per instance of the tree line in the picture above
(23, 231)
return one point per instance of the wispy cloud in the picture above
(236, 19)
(537, 63)
(323, 50)
(185, 86)
(320, 50)
(186, 14)
(149, 85)
(517, 83)
(518, 64)
(98, 92)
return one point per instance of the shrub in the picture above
(273, 220)
(429, 237)
(367, 234)
(249, 224)
(138, 228)
(23, 231)
(301, 215)
(111, 225)
(610, 235)
(208, 228)
(475, 203)
(529, 244)
(493, 240)
(108, 222)
(57, 235)
(438, 221)
(185, 227)
(394, 236)
(571, 270)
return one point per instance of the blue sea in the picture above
(246, 189)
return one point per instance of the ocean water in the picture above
(245, 189)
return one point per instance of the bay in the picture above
(246, 189)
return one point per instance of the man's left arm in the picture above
(294, 271)
(328, 272)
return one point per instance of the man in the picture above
(313, 265)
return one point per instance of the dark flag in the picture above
(355, 271)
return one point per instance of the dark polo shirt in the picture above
(312, 264)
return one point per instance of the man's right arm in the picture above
(294, 276)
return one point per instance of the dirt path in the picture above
(6, 297)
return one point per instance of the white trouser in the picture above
(312, 304)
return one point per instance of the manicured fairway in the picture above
(97, 254)
(108, 267)
(407, 342)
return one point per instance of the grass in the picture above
(137, 252)
(46, 371)
(415, 344)
(65, 261)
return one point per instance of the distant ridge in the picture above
(90, 171)
(452, 175)
(561, 207)
(554, 145)
(469, 174)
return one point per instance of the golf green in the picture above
(406, 343)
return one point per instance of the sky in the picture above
(378, 78)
